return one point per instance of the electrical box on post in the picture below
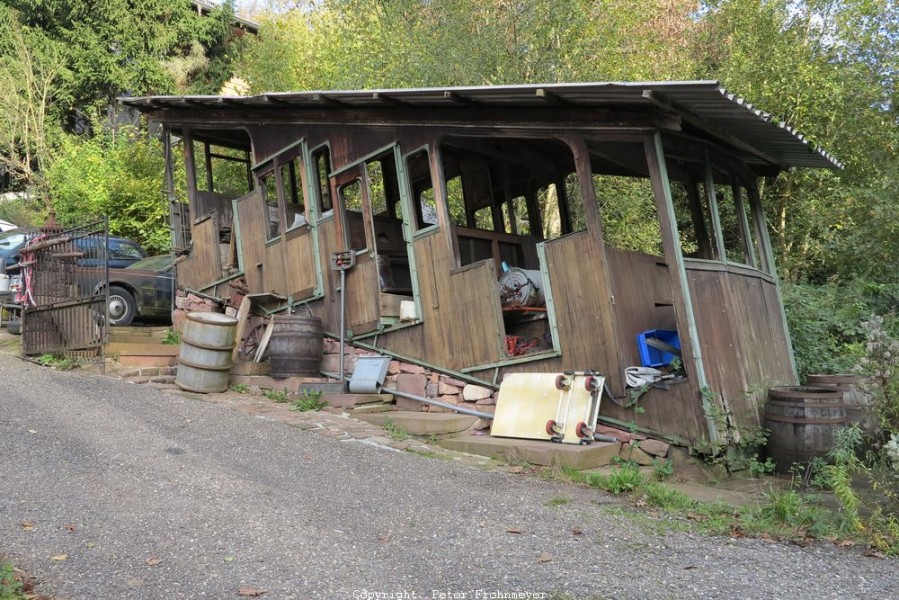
(343, 260)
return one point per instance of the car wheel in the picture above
(121, 306)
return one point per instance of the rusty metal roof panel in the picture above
(700, 102)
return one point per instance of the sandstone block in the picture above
(633, 453)
(444, 388)
(413, 369)
(654, 447)
(473, 393)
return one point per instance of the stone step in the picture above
(288, 384)
(143, 349)
(370, 409)
(419, 423)
(353, 400)
(536, 452)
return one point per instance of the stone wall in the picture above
(417, 380)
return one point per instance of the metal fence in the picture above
(64, 291)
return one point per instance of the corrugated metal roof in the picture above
(702, 104)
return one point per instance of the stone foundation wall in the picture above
(416, 380)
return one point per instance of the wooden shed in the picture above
(614, 209)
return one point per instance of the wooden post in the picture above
(696, 213)
(683, 303)
(190, 173)
(713, 209)
(564, 210)
(748, 254)
(443, 219)
(767, 256)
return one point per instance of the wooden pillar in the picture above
(438, 180)
(605, 300)
(190, 173)
(564, 210)
(713, 209)
(748, 254)
(761, 230)
(706, 250)
(683, 303)
(767, 257)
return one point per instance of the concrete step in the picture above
(536, 452)
(419, 423)
(354, 400)
(147, 354)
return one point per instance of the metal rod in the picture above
(458, 409)
(342, 321)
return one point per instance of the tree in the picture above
(33, 81)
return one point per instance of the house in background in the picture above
(489, 211)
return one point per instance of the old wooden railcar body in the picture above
(438, 192)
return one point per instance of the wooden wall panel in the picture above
(273, 278)
(208, 202)
(643, 298)
(299, 265)
(329, 241)
(743, 342)
(204, 265)
(463, 323)
(252, 219)
(362, 295)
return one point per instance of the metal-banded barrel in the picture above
(204, 360)
(802, 421)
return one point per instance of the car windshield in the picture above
(11, 241)
(160, 263)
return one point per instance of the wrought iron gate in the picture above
(64, 290)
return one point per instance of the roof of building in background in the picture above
(205, 7)
(700, 105)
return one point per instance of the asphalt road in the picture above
(115, 490)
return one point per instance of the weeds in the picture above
(662, 469)
(395, 431)
(172, 337)
(309, 400)
(240, 388)
(279, 396)
(10, 585)
(63, 363)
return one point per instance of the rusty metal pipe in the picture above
(453, 407)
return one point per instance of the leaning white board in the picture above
(528, 401)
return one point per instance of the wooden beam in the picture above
(698, 216)
(683, 302)
(748, 254)
(712, 199)
(552, 98)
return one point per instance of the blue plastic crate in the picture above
(653, 357)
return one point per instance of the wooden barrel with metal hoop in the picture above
(858, 401)
(296, 346)
(802, 421)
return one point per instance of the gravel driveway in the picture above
(115, 490)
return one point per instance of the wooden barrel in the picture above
(204, 359)
(802, 421)
(296, 346)
(859, 403)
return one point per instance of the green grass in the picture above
(552, 502)
(240, 388)
(784, 515)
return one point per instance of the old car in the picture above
(141, 291)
